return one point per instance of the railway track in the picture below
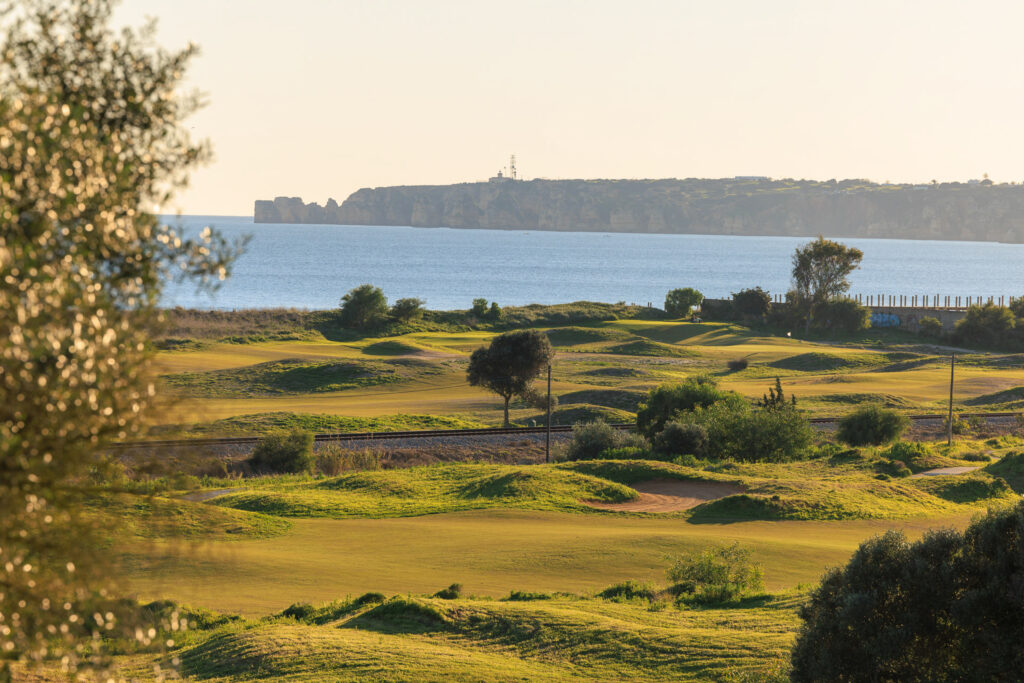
(435, 433)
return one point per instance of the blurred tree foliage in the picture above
(91, 146)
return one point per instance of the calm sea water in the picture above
(312, 266)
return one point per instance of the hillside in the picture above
(848, 208)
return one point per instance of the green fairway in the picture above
(423, 373)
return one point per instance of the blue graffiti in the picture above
(885, 320)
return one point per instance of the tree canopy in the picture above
(92, 146)
(946, 608)
(820, 269)
(679, 302)
(510, 363)
(363, 306)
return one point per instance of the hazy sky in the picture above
(317, 98)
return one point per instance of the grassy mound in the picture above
(575, 414)
(816, 362)
(562, 638)
(616, 372)
(646, 347)
(1010, 468)
(574, 336)
(1014, 395)
(622, 399)
(263, 423)
(153, 517)
(391, 347)
(427, 490)
(291, 376)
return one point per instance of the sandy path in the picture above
(939, 471)
(671, 495)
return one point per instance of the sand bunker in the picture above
(671, 495)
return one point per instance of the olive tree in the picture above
(510, 363)
(91, 144)
(820, 269)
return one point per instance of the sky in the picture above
(318, 98)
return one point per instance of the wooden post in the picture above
(547, 441)
(952, 367)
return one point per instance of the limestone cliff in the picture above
(849, 208)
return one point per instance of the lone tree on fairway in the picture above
(510, 363)
(91, 144)
(363, 307)
(679, 302)
(820, 269)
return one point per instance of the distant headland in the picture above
(744, 205)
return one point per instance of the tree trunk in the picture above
(507, 399)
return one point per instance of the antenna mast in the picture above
(512, 167)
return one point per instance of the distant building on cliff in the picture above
(501, 177)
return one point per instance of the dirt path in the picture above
(939, 471)
(671, 495)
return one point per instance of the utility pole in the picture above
(547, 443)
(952, 366)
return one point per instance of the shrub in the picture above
(452, 592)
(526, 596)
(599, 440)
(665, 402)
(842, 315)
(892, 468)
(184, 482)
(494, 312)
(679, 302)
(479, 308)
(300, 611)
(946, 608)
(284, 453)
(737, 364)
(907, 451)
(930, 327)
(871, 426)
(680, 438)
(407, 309)
(987, 325)
(369, 598)
(752, 303)
(736, 431)
(629, 590)
(363, 307)
(715, 575)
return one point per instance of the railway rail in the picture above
(434, 433)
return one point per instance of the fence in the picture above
(936, 301)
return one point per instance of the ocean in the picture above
(312, 266)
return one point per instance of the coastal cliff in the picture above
(849, 208)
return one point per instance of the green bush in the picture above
(479, 308)
(629, 590)
(909, 452)
(842, 315)
(363, 307)
(946, 608)
(407, 309)
(930, 327)
(527, 596)
(284, 453)
(680, 438)
(871, 426)
(737, 364)
(752, 303)
(594, 440)
(987, 326)
(679, 302)
(452, 592)
(665, 402)
(715, 575)
(736, 431)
